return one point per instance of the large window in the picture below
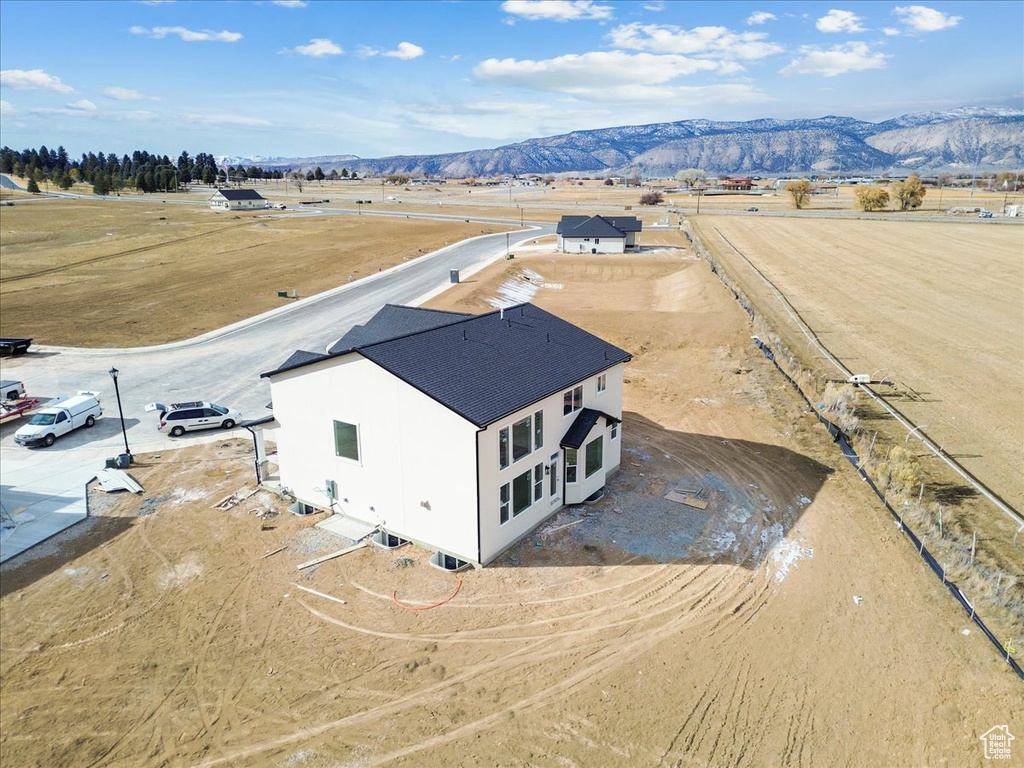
(595, 454)
(503, 448)
(522, 438)
(538, 430)
(504, 508)
(570, 465)
(522, 490)
(572, 400)
(346, 440)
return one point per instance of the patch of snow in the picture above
(786, 554)
(184, 496)
(517, 290)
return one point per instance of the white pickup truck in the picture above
(58, 417)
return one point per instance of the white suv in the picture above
(179, 418)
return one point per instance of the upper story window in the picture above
(538, 430)
(572, 400)
(602, 382)
(503, 448)
(522, 438)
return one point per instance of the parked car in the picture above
(752, 209)
(11, 390)
(179, 418)
(60, 416)
(279, 206)
(984, 214)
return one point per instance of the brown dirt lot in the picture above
(645, 634)
(153, 272)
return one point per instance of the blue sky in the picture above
(295, 78)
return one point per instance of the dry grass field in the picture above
(789, 624)
(99, 274)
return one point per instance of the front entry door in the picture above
(554, 487)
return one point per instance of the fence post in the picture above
(974, 541)
(940, 521)
(920, 493)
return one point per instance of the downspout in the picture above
(479, 516)
(255, 453)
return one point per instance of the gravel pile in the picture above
(313, 541)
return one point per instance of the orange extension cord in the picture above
(394, 596)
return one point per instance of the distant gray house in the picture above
(598, 234)
(461, 433)
(237, 200)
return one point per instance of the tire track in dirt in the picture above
(605, 660)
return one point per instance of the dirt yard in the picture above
(139, 273)
(789, 623)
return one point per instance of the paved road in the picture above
(225, 365)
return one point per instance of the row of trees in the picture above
(141, 171)
(909, 193)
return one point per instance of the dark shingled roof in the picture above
(241, 194)
(598, 226)
(581, 427)
(391, 322)
(301, 357)
(485, 367)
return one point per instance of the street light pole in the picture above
(120, 411)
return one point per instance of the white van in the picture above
(179, 418)
(58, 417)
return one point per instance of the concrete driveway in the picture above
(223, 366)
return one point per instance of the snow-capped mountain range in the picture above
(958, 140)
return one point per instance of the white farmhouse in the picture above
(461, 433)
(237, 200)
(598, 234)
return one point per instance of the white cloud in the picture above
(405, 51)
(760, 17)
(290, 3)
(839, 21)
(557, 10)
(233, 120)
(718, 41)
(6, 108)
(24, 79)
(188, 35)
(890, 31)
(921, 18)
(83, 105)
(63, 111)
(654, 7)
(320, 46)
(589, 72)
(837, 60)
(126, 94)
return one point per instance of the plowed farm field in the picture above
(937, 308)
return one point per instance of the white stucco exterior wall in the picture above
(496, 537)
(416, 473)
(585, 244)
